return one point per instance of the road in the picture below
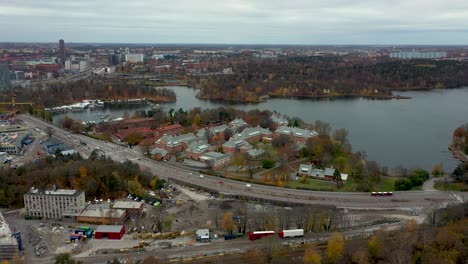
(408, 200)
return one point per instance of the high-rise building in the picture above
(4, 75)
(62, 51)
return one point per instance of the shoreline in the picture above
(305, 97)
(457, 154)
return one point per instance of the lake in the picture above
(411, 133)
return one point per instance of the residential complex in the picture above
(54, 204)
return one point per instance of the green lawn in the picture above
(454, 186)
(312, 184)
(387, 184)
(101, 136)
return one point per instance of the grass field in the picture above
(101, 136)
(312, 184)
(452, 186)
(387, 184)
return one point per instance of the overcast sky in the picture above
(237, 21)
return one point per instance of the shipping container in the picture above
(259, 234)
(291, 233)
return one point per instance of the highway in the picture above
(408, 200)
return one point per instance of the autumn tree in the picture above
(228, 223)
(437, 171)
(335, 247)
(312, 255)
(374, 247)
(134, 139)
(134, 186)
(238, 161)
(340, 135)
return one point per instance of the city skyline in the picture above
(237, 22)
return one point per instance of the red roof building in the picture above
(48, 67)
(109, 231)
(170, 130)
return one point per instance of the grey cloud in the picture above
(241, 21)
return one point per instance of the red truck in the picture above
(259, 234)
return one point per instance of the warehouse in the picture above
(109, 231)
(102, 216)
(133, 209)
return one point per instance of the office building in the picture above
(62, 51)
(4, 75)
(115, 59)
(55, 203)
(134, 57)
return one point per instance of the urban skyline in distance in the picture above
(336, 22)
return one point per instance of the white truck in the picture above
(291, 233)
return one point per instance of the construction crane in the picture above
(13, 105)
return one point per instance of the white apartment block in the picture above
(54, 204)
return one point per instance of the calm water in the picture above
(412, 133)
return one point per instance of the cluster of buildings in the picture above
(77, 64)
(214, 145)
(13, 138)
(308, 170)
(418, 54)
(71, 204)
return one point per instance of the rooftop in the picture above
(127, 205)
(109, 228)
(105, 213)
(62, 192)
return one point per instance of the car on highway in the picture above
(248, 185)
(201, 176)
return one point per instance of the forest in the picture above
(98, 176)
(332, 76)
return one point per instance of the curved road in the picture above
(408, 200)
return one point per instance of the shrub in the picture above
(403, 185)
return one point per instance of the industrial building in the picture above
(103, 216)
(54, 204)
(133, 208)
(9, 246)
(109, 231)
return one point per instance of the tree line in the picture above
(328, 76)
(56, 93)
